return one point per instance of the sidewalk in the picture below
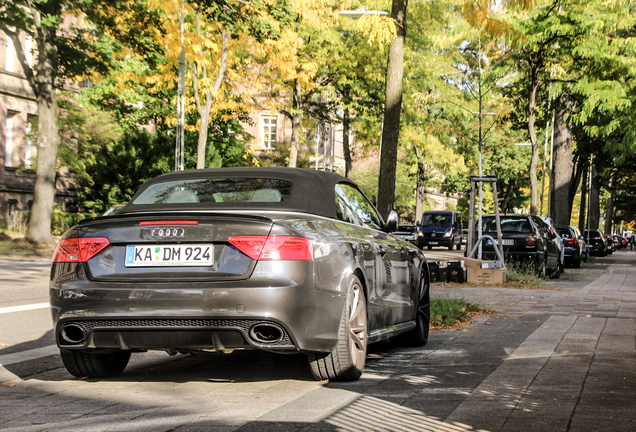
(577, 370)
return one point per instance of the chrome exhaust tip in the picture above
(266, 333)
(73, 334)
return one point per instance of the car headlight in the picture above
(447, 234)
(420, 233)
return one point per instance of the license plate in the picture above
(508, 242)
(199, 255)
(432, 243)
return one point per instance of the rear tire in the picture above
(346, 362)
(418, 337)
(450, 247)
(429, 247)
(541, 272)
(558, 271)
(459, 246)
(94, 365)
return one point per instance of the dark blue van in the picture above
(440, 228)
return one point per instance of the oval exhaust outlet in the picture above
(266, 333)
(73, 333)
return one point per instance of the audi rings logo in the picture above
(168, 232)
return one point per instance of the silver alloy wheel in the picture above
(357, 328)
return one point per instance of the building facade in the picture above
(272, 133)
(18, 150)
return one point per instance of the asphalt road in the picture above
(558, 359)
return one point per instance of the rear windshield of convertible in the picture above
(219, 190)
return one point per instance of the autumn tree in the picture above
(64, 48)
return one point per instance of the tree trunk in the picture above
(609, 210)
(44, 194)
(392, 110)
(296, 125)
(532, 100)
(346, 122)
(561, 175)
(578, 168)
(203, 135)
(595, 206)
(210, 94)
(508, 196)
(48, 135)
(583, 206)
(420, 188)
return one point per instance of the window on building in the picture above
(9, 144)
(29, 141)
(28, 50)
(9, 54)
(268, 132)
(12, 206)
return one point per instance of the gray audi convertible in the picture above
(217, 260)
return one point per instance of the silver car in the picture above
(279, 259)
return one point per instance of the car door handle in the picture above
(382, 251)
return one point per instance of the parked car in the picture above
(407, 233)
(596, 242)
(440, 228)
(575, 246)
(464, 237)
(555, 233)
(619, 241)
(526, 240)
(280, 259)
(611, 247)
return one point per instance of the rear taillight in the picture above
(274, 248)
(78, 249)
(573, 241)
(531, 241)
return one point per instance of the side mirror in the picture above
(391, 223)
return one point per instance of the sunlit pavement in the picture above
(559, 359)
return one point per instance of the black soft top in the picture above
(311, 192)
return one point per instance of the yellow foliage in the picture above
(377, 29)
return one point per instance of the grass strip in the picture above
(452, 313)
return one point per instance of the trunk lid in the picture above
(162, 247)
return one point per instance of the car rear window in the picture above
(565, 233)
(220, 190)
(508, 225)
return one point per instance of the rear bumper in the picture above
(597, 248)
(572, 254)
(197, 315)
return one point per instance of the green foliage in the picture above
(62, 221)
(119, 169)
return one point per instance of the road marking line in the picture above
(24, 308)
(31, 354)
